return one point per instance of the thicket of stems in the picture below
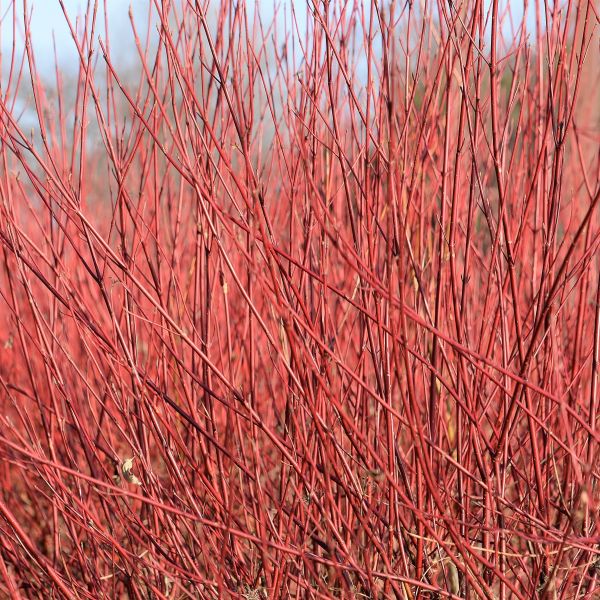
(329, 276)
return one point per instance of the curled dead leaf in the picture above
(127, 473)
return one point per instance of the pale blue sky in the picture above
(48, 18)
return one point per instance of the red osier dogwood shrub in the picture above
(304, 306)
